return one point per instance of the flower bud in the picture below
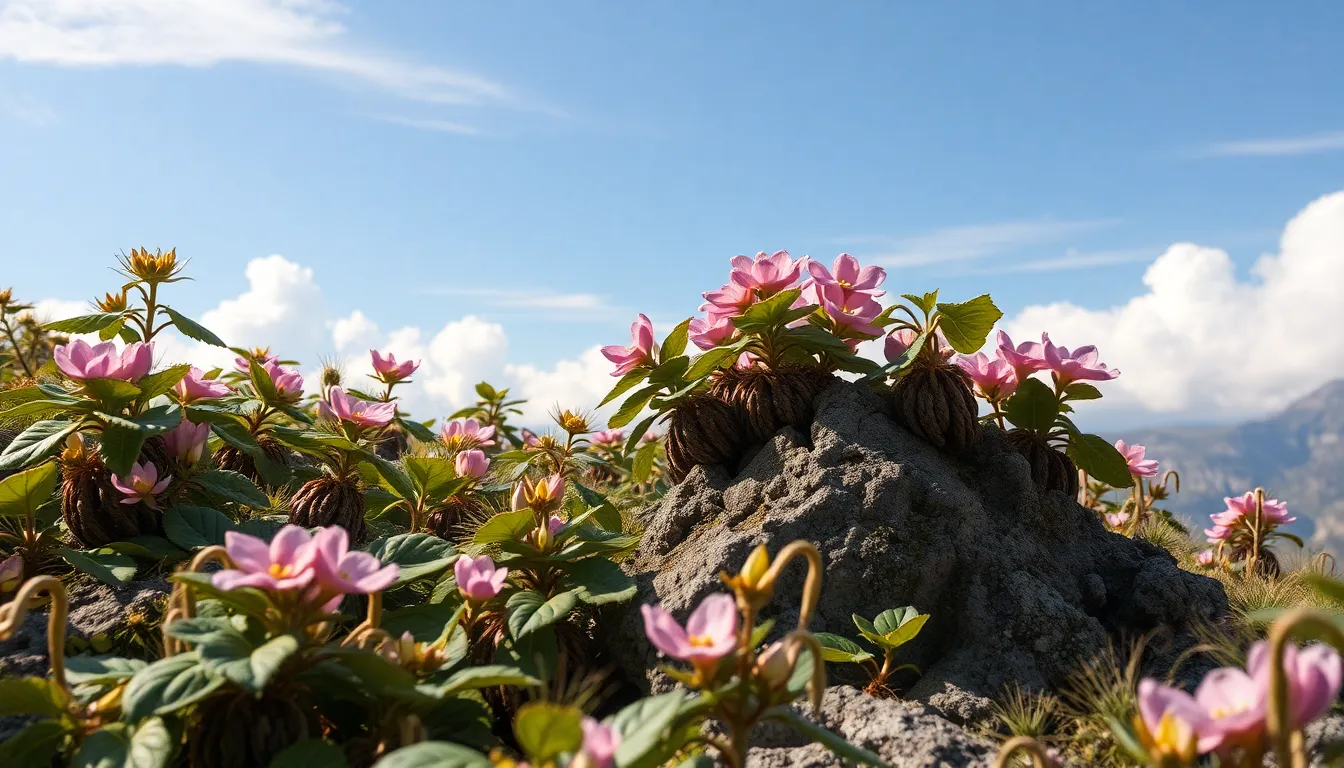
(154, 267)
(773, 666)
(112, 302)
(11, 573)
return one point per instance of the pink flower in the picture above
(600, 743)
(1117, 519)
(1205, 558)
(1234, 705)
(995, 378)
(1217, 533)
(707, 333)
(472, 463)
(849, 310)
(288, 384)
(710, 634)
(11, 573)
(554, 523)
(142, 484)
(467, 433)
(1243, 506)
(845, 273)
(1025, 358)
(245, 364)
(640, 351)
(80, 361)
(361, 413)
(529, 437)
(284, 564)
(1138, 466)
(766, 275)
(897, 342)
(186, 442)
(343, 572)
(1314, 675)
(727, 302)
(609, 437)
(1172, 718)
(194, 386)
(478, 579)
(538, 495)
(388, 370)
(1079, 365)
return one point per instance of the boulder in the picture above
(1021, 585)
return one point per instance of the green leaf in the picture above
(416, 555)
(486, 676)
(113, 393)
(426, 622)
(103, 564)
(434, 754)
(644, 726)
(310, 753)
(227, 652)
(97, 670)
(643, 464)
(505, 526)
(191, 329)
(34, 746)
(527, 619)
(84, 323)
(600, 581)
(670, 373)
(899, 626)
(430, 473)
(248, 601)
(22, 494)
(148, 745)
(128, 334)
(234, 487)
(638, 433)
(192, 527)
(867, 629)
(712, 360)
(487, 392)
(827, 738)
(31, 696)
(1081, 390)
(835, 648)
(675, 343)
(35, 443)
(632, 406)
(1099, 459)
(772, 313)
(966, 325)
(926, 302)
(545, 730)
(262, 383)
(538, 654)
(112, 330)
(120, 447)
(168, 685)
(267, 660)
(161, 383)
(417, 430)
(397, 481)
(1032, 406)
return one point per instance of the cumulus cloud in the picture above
(1207, 344)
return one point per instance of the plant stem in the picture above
(18, 353)
(1254, 557)
(150, 308)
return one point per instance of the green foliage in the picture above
(966, 325)
(21, 494)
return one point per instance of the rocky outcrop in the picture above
(1020, 585)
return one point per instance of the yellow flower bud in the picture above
(754, 570)
(112, 302)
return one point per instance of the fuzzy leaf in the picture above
(416, 555)
(505, 526)
(600, 581)
(234, 487)
(84, 323)
(148, 745)
(168, 685)
(98, 670)
(192, 527)
(530, 614)
(646, 726)
(486, 676)
(103, 564)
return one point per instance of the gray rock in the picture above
(1021, 586)
(903, 734)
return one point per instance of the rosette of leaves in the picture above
(933, 398)
(423, 493)
(1055, 449)
(245, 423)
(888, 632)
(493, 409)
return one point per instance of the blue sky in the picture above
(553, 170)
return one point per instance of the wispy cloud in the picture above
(587, 306)
(28, 111)
(1281, 147)
(438, 126)
(201, 33)
(968, 243)
(1073, 260)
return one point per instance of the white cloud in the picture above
(580, 383)
(437, 126)
(1281, 147)
(1203, 342)
(966, 243)
(561, 306)
(1072, 259)
(299, 33)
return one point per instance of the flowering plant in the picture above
(1244, 530)
(1129, 515)
(492, 411)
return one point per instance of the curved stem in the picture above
(796, 641)
(811, 587)
(1287, 741)
(182, 603)
(1254, 557)
(1040, 758)
(12, 615)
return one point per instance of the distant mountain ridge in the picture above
(1296, 455)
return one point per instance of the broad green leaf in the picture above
(430, 472)
(524, 622)
(416, 555)
(97, 670)
(248, 601)
(487, 392)
(1032, 406)
(1081, 390)
(262, 383)
(867, 629)
(675, 343)
(34, 746)
(106, 334)
(632, 406)
(310, 753)
(712, 360)
(268, 659)
(505, 526)
(835, 648)
(899, 626)
(191, 329)
(22, 494)
(645, 725)
(926, 302)
(486, 676)
(545, 730)
(234, 487)
(148, 745)
(168, 685)
(40, 440)
(434, 754)
(638, 434)
(120, 448)
(426, 622)
(643, 464)
(417, 430)
(31, 696)
(537, 654)
(670, 373)
(114, 393)
(103, 564)
(162, 382)
(1099, 459)
(84, 323)
(827, 738)
(44, 407)
(772, 313)
(397, 480)
(966, 325)
(600, 581)
(192, 527)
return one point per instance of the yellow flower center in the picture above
(700, 641)
(1174, 735)
(281, 571)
